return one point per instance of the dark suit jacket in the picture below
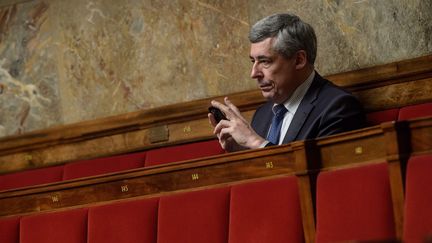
(325, 110)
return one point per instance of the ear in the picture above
(301, 59)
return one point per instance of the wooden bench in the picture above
(391, 143)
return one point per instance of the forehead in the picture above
(262, 48)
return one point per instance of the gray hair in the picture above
(292, 35)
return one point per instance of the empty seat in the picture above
(9, 230)
(418, 199)
(200, 216)
(66, 227)
(378, 117)
(134, 221)
(415, 111)
(31, 177)
(354, 204)
(105, 165)
(266, 211)
(183, 152)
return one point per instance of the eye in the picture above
(265, 63)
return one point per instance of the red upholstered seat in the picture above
(9, 230)
(66, 227)
(31, 177)
(418, 199)
(378, 117)
(415, 111)
(134, 221)
(266, 211)
(354, 204)
(105, 165)
(200, 216)
(183, 152)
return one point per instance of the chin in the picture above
(267, 95)
(274, 99)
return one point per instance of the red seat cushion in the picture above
(200, 216)
(415, 111)
(106, 165)
(418, 198)
(66, 227)
(134, 221)
(9, 230)
(354, 204)
(31, 177)
(183, 152)
(266, 211)
(378, 117)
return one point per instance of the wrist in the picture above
(257, 142)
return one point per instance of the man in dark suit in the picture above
(301, 104)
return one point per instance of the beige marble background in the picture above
(64, 61)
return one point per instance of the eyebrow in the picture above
(260, 57)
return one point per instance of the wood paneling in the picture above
(387, 86)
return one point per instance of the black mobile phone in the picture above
(218, 114)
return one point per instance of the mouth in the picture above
(266, 87)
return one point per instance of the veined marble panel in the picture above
(122, 56)
(354, 34)
(29, 96)
(68, 61)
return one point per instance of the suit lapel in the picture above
(262, 119)
(297, 122)
(304, 109)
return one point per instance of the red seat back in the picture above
(415, 111)
(9, 230)
(378, 117)
(266, 211)
(134, 221)
(200, 216)
(106, 165)
(66, 227)
(354, 204)
(31, 177)
(418, 199)
(183, 152)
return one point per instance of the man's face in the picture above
(274, 73)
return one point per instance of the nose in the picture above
(256, 71)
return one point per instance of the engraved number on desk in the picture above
(54, 198)
(269, 165)
(187, 129)
(124, 188)
(195, 176)
(358, 150)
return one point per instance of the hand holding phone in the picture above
(217, 114)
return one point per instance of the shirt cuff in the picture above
(264, 144)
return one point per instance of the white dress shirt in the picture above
(292, 103)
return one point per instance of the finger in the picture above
(212, 119)
(224, 135)
(224, 138)
(225, 109)
(221, 125)
(234, 109)
(218, 104)
(223, 144)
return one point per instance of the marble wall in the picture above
(63, 62)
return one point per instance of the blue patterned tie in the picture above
(276, 125)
